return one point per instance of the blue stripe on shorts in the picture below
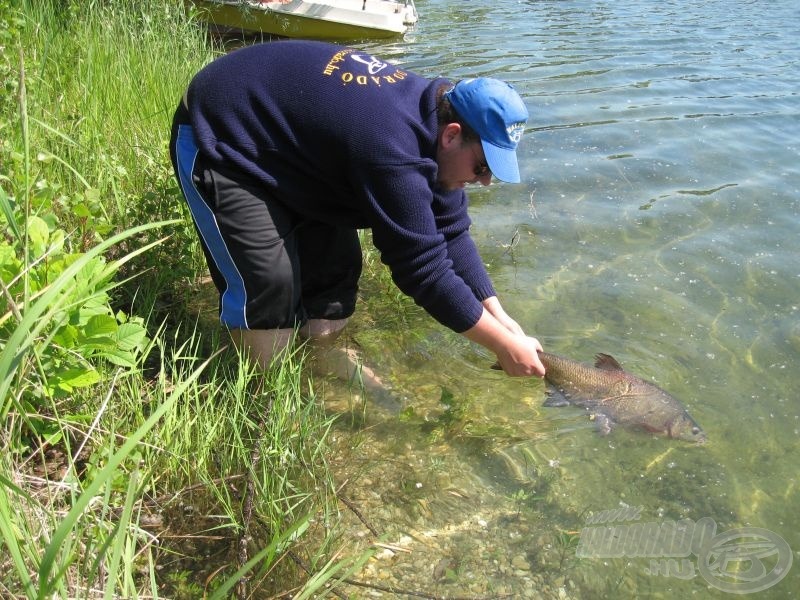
(234, 298)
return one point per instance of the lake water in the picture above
(657, 221)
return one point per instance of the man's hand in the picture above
(517, 353)
(520, 358)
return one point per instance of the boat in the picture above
(309, 19)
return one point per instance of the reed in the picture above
(138, 456)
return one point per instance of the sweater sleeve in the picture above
(406, 220)
(453, 221)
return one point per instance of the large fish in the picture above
(614, 396)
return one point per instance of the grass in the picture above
(138, 456)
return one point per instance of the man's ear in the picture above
(451, 134)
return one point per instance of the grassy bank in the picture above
(138, 458)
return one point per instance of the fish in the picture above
(615, 397)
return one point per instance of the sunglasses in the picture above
(481, 169)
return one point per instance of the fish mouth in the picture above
(684, 428)
(698, 438)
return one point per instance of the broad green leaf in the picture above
(93, 306)
(130, 336)
(81, 210)
(56, 243)
(103, 325)
(66, 337)
(69, 379)
(7, 254)
(116, 356)
(49, 432)
(10, 265)
(38, 316)
(92, 195)
(38, 234)
(95, 345)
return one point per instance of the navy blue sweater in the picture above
(347, 139)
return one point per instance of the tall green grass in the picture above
(138, 456)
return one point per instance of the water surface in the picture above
(657, 221)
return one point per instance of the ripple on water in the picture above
(657, 221)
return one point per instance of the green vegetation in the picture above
(138, 457)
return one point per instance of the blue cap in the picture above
(498, 115)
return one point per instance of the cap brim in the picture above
(502, 162)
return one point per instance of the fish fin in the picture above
(555, 399)
(607, 362)
(603, 423)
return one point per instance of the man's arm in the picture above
(517, 353)
(492, 304)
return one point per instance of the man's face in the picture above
(460, 162)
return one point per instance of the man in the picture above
(283, 150)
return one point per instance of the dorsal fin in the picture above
(606, 362)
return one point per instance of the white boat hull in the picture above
(331, 20)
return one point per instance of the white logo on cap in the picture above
(515, 132)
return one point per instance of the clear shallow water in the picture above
(657, 221)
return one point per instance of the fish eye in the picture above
(695, 430)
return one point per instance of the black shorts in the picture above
(273, 268)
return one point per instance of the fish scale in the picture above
(617, 397)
